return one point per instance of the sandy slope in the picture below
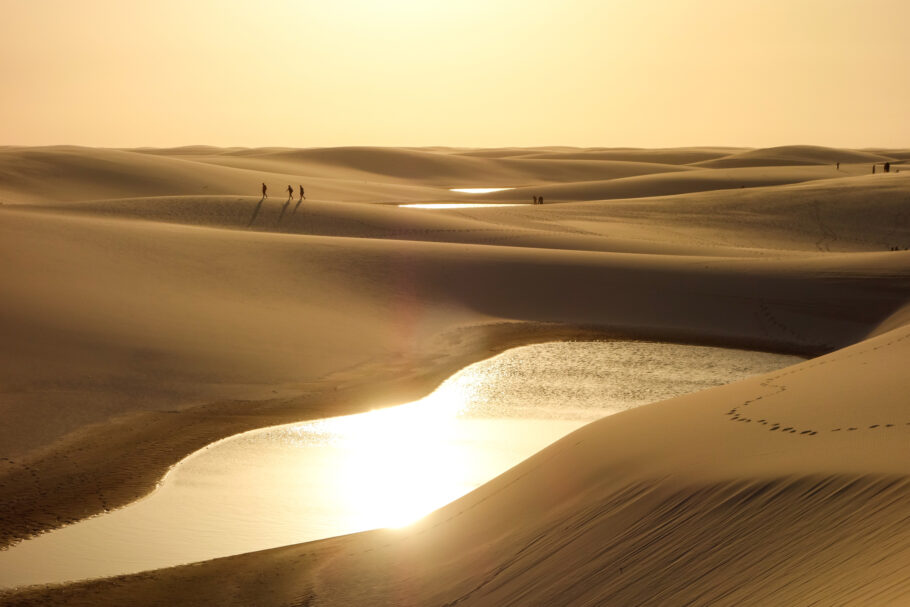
(664, 184)
(144, 316)
(67, 173)
(796, 155)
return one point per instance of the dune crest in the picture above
(796, 155)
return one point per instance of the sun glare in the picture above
(403, 461)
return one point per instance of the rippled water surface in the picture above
(307, 481)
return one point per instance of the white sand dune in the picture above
(144, 316)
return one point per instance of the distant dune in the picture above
(791, 155)
(153, 302)
(663, 156)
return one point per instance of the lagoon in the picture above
(301, 482)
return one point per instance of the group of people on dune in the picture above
(265, 194)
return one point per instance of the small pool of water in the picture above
(307, 481)
(460, 205)
(478, 190)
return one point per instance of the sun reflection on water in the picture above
(397, 464)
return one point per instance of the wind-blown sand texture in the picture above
(151, 303)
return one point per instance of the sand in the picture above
(145, 315)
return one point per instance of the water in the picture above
(460, 205)
(307, 481)
(478, 190)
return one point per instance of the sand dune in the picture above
(902, 154)
(34, 175)
(662, 156)
(432, 167)
(61, 173)
(865, 213)
(664, 184)
(144, 317)
(858, 214)
(501, 226)
(794, 155)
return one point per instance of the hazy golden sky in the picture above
(455, 72)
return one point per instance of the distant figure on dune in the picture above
(873, 168)
(535, 199)
(290, 192)
(540, 200)
(264, 189)
(887, 167)
(838, 166)
(302, 195)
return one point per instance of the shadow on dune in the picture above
(256, 212)
(283, 209)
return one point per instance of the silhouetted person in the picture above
(838, 166)
(535, 199)
(290, 192)
(540, 200)
(887, 167)
(264, 189)
(302, 195)
(873, 169)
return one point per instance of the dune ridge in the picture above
(795, 155)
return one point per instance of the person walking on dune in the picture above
(290, 192)
(302, 195)
(264, 190)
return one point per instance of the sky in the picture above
(475, 73)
